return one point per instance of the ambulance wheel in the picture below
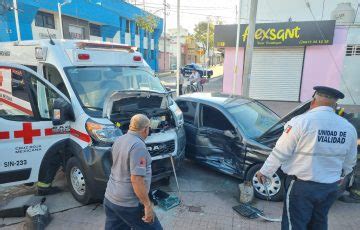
(77, 181)
(276, 188)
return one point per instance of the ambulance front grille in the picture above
(156, 149)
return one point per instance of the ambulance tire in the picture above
(77, 181)
(276, 189)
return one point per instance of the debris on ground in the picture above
(16, 207)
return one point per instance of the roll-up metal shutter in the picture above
(276, 73)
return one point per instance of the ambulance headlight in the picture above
(103, 134)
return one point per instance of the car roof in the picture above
(218, 99)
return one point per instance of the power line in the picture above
(189, 7)
(221, 16)
(199, 9)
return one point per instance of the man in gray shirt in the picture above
(126, 203)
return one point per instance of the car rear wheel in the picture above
(77, 181)
(275, 187)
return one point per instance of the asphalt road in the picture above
(214, 84)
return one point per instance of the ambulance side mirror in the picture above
(63, 112)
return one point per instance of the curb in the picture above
(165, 74)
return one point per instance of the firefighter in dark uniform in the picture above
(50, 166)
(316, 150)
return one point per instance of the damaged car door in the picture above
(189, 110)
(218, 144)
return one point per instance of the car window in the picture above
(44, 98)
(213, 118)
(14, 98)
(253, 118)
(54, 77)
(189, 110)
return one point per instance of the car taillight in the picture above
(83, 56)
(137, 58)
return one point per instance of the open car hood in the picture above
(295, 112)
(134, 101)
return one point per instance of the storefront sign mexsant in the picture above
(278, 34)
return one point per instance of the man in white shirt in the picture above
(315, 151)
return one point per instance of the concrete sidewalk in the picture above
(208, 199)
(165, 74)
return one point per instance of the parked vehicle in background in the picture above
(103, 85)
(234, 135)
(186, 70)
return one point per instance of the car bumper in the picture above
(98, 162)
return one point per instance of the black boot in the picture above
(47, 191)
(349, 199)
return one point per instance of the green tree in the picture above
(147, 22)
(200, 34)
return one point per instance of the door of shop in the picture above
(276, 73)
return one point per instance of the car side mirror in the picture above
(62, 112)
(230, 134)
(168, 89)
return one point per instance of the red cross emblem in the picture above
(27, 133)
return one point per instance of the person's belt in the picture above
(295, 178)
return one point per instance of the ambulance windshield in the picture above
(94, 84)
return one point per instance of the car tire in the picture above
(77, 181)
(276, 189)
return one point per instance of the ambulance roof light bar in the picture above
(98, 45)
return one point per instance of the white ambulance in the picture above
(69, 100)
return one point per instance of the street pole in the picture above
(236, 49)
(60, 21)
(16, 14)
(178, 60)
(207, 46)
(236, 14)
(164, 35)
(249, 48)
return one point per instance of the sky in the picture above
(194, 11)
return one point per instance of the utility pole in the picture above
(16, 14)
(236, 49)
(164, 35)
(236, 13)
(60, 15)
(60, 21)
(249, 48)
(178, 59)
(207, 46)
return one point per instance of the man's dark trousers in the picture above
(124, 218)
(307, 203)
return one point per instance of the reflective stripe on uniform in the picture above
(288, 203)
(43, 185)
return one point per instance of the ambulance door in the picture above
(26, 129)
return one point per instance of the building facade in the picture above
(290, 58)
(105, 20)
